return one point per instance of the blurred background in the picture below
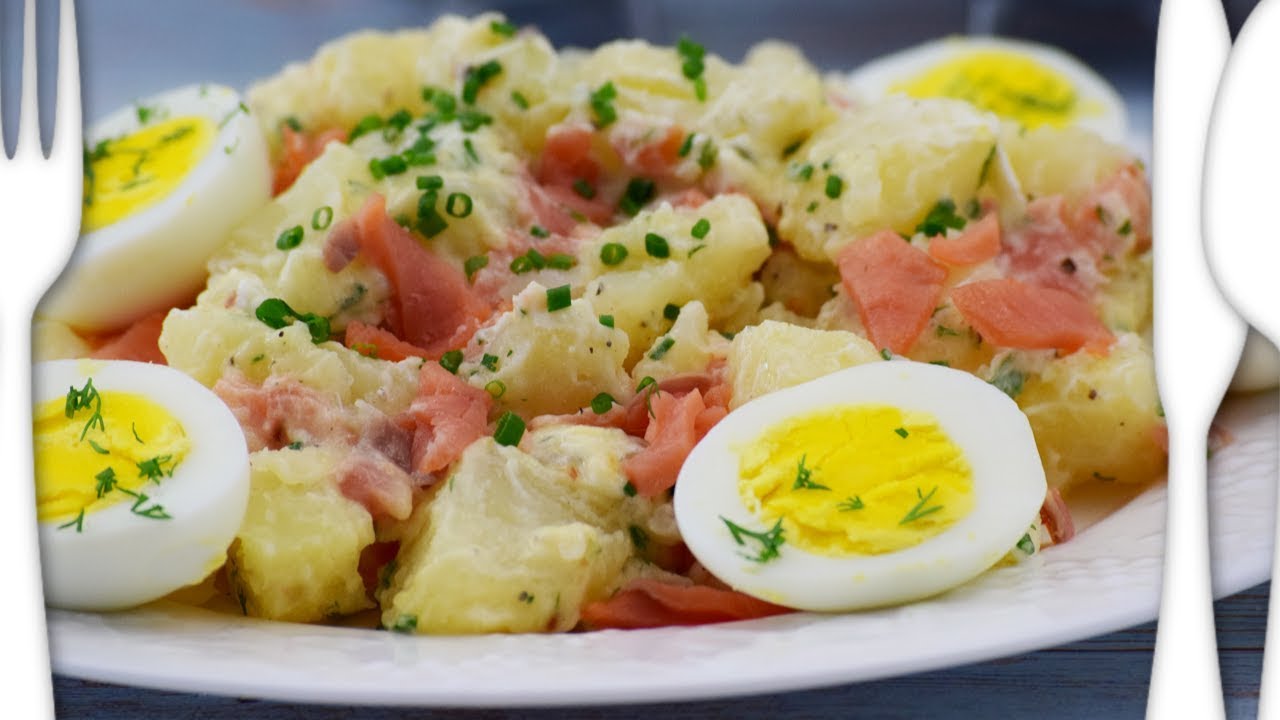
(131, 48)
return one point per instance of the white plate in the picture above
(1106, 579)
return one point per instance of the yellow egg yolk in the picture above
(131, 173)
(136, 442)
(857, 480)
(1006, 83)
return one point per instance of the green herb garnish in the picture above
(656, 245)
(1008, 378)
(451, 361)
(941, 217)
(770, 540)
(613, 253)
(920, 510)
(853, 503)
(290, 239)
(475, 78)
(663, 346)
(559, 298)
(602, 105)
(804, 478)
(639, 192)
(276, 313)
(509, 430)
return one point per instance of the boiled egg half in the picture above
(142, 480)
(1029, 83)
(164, 183)
(878, 484)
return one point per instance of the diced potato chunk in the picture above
(549, 362)
(298, 552)
(1095, 418)
(716, 270)
(893, 161)
(518, 542)
(774, 355)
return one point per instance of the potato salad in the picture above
(526, 340)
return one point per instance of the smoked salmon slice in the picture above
(378, 343)
(447, 416)
(140, 342)
(300, 149)
(978, 243)
(646, 603)
(1014, 314)
(433, 307)
(894, 285)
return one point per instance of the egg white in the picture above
(156, 256)
(1008, 489)
(119, 559)
(873, 79)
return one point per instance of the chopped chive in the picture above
(405, 624)
(601, 403)
(902, 432)
(539, 232)
(389, 165)
(639, 192)
(490, 362)
(656, 245)
(470, 150)
(671, 311)
(429, 182)
(606, 320)
(884, 353)
(561, 261)
(613, 253)
(800, 173)
(367, 124)
(503, 28)
(835, 186)
(509, 430)
(474, 264)
(602, 105)
(458, 205)
(321, 218)
(290, 239)
(431, 223)
(475, 78)
(701, 228)
(451, 361)
(1026, 545)
(658, 352)
(559, 298)
(629, 490)
(686, 146)
(519, 99)
(639, 537)
(584, 188)
(495, 388)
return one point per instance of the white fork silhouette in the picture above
(39, 205)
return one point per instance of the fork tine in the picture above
(29, 105)
(67, 129)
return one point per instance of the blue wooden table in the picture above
(1095, 679)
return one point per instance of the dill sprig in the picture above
(919, 510)
(85, 398)
(770, 540)
(804, 479)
